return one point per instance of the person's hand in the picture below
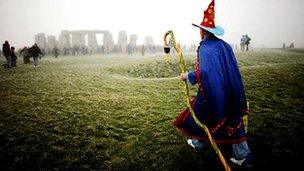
(184, 76)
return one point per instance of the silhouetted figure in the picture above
(7, 54)
(56, 52)
(36, 52)
(284, 46)
(26, 55)
(65, 51)
(84, 50)
(291, 45)
(14, 57)
(243, 40)
(130, 49)
(247, 42)
(75, 50)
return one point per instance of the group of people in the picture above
(291, 46)
(220, 102)
(75, 50)
(132, 49)
(245, 41)
(9, 54)
(11, 57)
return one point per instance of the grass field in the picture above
(114, 112)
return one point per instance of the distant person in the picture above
(243, 42)
(247, 42)
(65, 51)
(75, 50)
(284, 46)
(25, 54)
(7, 54)
(55, 51)
(14, 57)
(83, 50)
(129, 49)
(36, 52)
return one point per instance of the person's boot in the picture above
(196, 144)
(245, 162)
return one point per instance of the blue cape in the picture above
(220, 102)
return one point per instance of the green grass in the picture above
(299, 50)
(114, 113)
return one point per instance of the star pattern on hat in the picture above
(208, 20)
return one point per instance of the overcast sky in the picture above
(269, 23)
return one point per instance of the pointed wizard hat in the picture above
(208, 21)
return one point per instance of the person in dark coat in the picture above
(25, 54)
(247, 42)
(6, 50)
(243, 43)
(36, 52)
(56, 52)
(14, 57)
(220, 102)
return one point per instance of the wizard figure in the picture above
(220, 102)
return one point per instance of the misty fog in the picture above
(269, 23)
